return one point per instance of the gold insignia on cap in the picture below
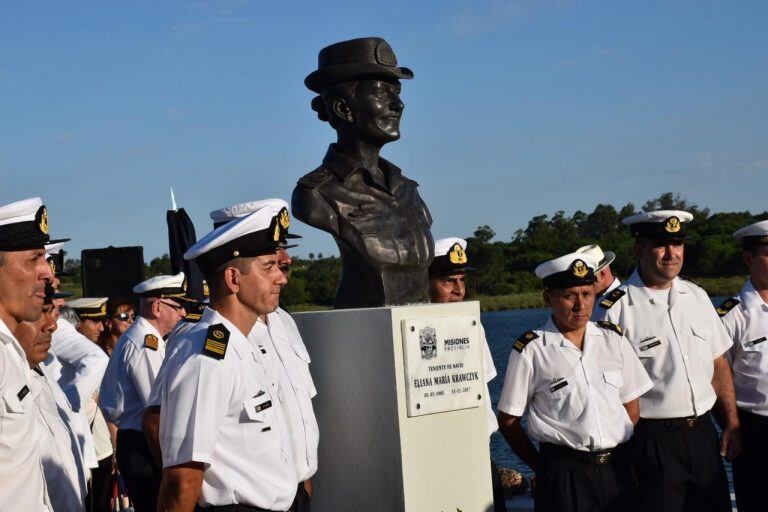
(284, 218)
(276, 234)
(457, 255)
(672, 225)
(52, 264)
(206, 290)
(579, 269)
(764, 239)
(42, 223)
(103, 308)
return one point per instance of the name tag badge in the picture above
(259, 408)
(755, 342)
(649, 343)
(559, 385)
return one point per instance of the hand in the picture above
(730, 443)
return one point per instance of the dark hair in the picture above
(322, 104)
(113, 305)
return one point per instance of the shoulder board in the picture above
(611, 327)
(727, 305)
(524, 340)
(192, 318)
(150, 342)
(612, 298)
(216, 340)
(315, 178)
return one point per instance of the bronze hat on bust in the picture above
(351, 59)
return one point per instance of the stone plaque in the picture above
(443, 364)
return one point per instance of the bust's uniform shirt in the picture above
(22, 485)
(287, 362)
(225, 414)
(574, 397)
(747, 325)
(677, 341)
(60, 451)
(128, 380)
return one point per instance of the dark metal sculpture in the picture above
(375, 214)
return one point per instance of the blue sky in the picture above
(518, 108)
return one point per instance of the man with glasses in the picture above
(128, 381)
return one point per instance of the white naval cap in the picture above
(574, 269)
(24, 225)
(162, 287)
(753, 235)
(236, 211)
(450, 257)
(259, 232)
(659, 224)
(54, 255)
(89, 307)
(594, 251)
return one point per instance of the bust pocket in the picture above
(259, 427)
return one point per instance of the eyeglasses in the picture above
(124, 317)
(173, 305)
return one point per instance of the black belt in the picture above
(686, 422)
(597, 457)
(233, 508)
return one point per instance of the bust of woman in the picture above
(380, 223)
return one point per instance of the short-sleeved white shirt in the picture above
(676, 339)
(574, 397)
(22, 484)
(130, 375)
(747, 325)
(225, 414)
(287, 361)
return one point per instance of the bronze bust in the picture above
(375, 214)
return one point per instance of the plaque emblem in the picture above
(672, 225)
(428, 343)
(384, 55)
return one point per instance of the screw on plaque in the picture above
(413, 328)
(418, 406)
(474, 322)
(479, 397)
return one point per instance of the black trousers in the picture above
(499, 503)
(679, 466)
(100, 489)
(142, 476)
(568, 481)
(749, 467)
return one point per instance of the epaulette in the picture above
(727, 305)
(524, 340)
(612, 298)
(216, 340)
(193, 318)
(150, 342)
(315, 178)
(611, 327)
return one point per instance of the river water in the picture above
(502, 328)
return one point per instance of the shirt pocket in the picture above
(702, 335)
(259, 426)
(13, 421)
(614, 378)
(303, 368)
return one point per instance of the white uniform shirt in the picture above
(177, 333)
(287, 361)
(575, 397)
(224, 413)
(60, 451)
(22, 484)
(747, 325)
(77, 364)
(490, 373)
(130, 375)
(677, 340)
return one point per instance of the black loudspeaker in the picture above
(112, 272)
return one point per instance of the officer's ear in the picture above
(231, 279)
(340, 109)
(545, 295)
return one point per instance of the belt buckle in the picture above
(691, 422)
(603, 458)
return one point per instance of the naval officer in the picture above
(579, 383)
(673, 328)
(128, 381)
(746, 319)
(23, 276)
(223, 430)
(447, 283)
(605, 281)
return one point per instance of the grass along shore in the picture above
(715, 287)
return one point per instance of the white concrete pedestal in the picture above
(373, 457)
